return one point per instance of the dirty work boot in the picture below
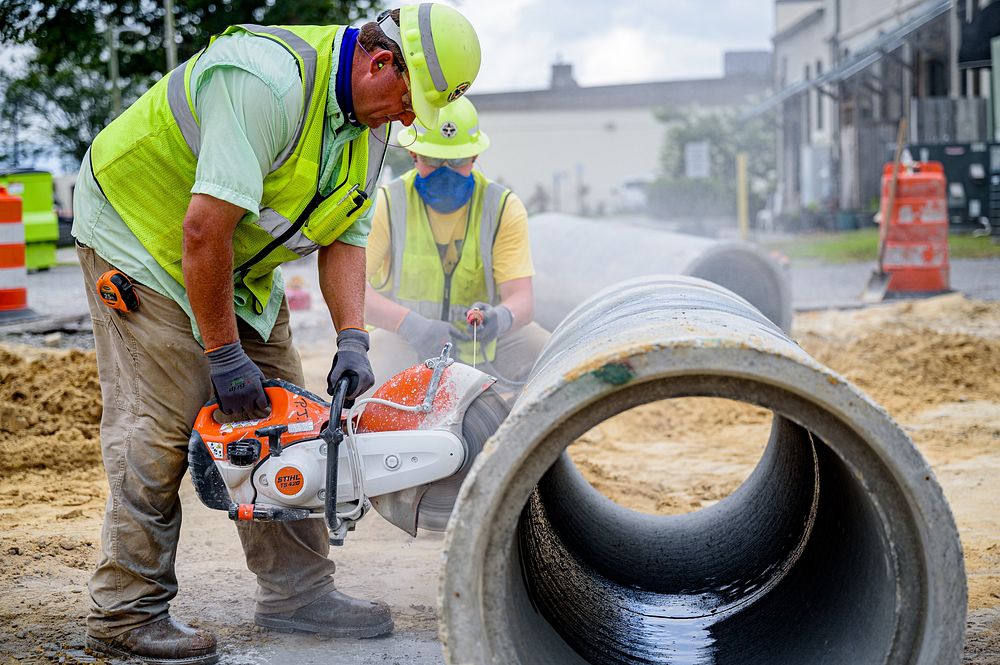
(335, 615)
(163, 642)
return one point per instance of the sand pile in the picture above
(50, 410)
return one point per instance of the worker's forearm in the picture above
(342, 281)
(207, 265)
(519, 297)
(382, 312)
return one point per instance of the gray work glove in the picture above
(428, 336)
(237, 382)
(351, 361)
(496, 321)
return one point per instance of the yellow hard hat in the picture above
(442, 55)
(455, 135)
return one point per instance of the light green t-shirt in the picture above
(248, 96)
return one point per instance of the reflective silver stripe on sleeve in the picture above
(276, 225)
(396, 192)
(493, 199)
(307, 53)
(430, 53)
(181, 110)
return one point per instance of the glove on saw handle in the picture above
(351, 362)
(495, 321)
(237, 381)
(428, 336)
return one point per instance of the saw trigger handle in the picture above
(273, 434)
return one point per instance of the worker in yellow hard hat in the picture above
(449, 258)
(264, 147)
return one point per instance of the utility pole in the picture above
(16, 131)
(168, 34)
(742, 196)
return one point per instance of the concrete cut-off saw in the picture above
(404, 451)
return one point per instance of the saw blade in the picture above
(482, 419)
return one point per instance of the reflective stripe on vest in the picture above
(277, 225)
(178, 96)
(489, 198)
(493, 196)
(162, 127)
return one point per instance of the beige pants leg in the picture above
(154, 379)
(518, 351)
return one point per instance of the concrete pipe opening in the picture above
(838, 548)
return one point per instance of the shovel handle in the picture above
(883, 227)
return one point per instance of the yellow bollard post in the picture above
(742, 195)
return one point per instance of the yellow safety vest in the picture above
(145, 163)
(415, 277)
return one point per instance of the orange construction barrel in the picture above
(13, 275)
(916, 238)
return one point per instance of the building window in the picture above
(819, 97)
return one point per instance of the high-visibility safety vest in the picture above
(145, 160)
(416, 278)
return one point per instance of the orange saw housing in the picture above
(304, 413)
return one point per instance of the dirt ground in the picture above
(933, 364)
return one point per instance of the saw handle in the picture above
(273, 435)
(333, 434)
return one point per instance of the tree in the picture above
(727, 133)
(20, 144)
(64, 87)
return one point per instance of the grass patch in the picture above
(862, 245)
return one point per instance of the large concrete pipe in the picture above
(576, 257)
(839, 548)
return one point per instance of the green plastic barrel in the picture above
(41, 225)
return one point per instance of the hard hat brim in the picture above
(407, 139)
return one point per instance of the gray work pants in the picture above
(154, 379)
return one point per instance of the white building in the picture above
(584, 150)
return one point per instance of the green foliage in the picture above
(64, 87)
(862, 245)
(727, 134)
(19, 144)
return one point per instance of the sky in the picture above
(611, 41)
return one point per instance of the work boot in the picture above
(163, 642)
(334, 615)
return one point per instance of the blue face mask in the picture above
(445, 190)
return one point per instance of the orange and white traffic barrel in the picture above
(916, 239)
(13, 274)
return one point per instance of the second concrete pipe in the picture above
(838, 549)
(576, 257)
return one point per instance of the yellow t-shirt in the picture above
(511, 251)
